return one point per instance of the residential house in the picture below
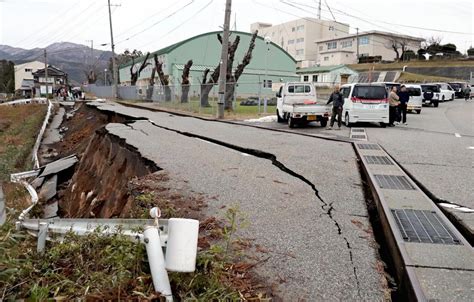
(25, 72)
(56, 78)
(343, 49)
(327, 75)
(297, 37)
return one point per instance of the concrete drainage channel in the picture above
(427, 253)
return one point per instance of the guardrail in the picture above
(40, 135)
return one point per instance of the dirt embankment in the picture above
(99, 187)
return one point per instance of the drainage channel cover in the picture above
(423, 226)
(377, 160)
(358, 130)
(358, 136)
(395, 182)
(368, 146)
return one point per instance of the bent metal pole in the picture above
(156, 259)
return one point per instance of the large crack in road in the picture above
(327, 208)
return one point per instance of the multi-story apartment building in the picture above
(343, 49)
(298, 37)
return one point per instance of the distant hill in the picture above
(72, 58)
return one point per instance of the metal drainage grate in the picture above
(394, 182)
(423, 226)
(378, 160)
(368, 146)
(359, 136)
(358, 130)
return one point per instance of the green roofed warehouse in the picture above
(269, 64)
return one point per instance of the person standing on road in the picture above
(467, 93)
(393, 102)
(337, 101)
(404, 97)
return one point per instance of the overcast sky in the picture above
(152, 24)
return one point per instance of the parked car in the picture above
(297, 104)
(446, 92)
(458, 88)
(416, 98)
(431, 94)
(365, 103)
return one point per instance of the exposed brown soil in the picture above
(99, 185)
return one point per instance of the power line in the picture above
(64, 28)
(151, 16)
(156, 23)
(48, 24)
(180, 24)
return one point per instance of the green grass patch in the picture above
(19, 126)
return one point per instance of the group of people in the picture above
(66, 92)
(398, 103)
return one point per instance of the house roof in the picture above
(317, 69)
(373, 32)
(171, 47)
(51, 71)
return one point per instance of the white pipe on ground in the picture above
(156, 259)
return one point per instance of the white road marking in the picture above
(457, 135)
(245, 154)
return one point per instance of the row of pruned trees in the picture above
(208, 80)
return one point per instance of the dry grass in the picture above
(408, 77)
(399, 65)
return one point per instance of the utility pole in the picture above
(357, 38)
(224, 56)
(114, 64)
(92, 52)
(319, 10)
(46, 74)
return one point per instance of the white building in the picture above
(327, 75)
(25, 72)
(343, 49)
(297, 37)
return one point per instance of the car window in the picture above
(299, 89)
(430, 88)
(413, 91)
(369, 92)
(345, 91)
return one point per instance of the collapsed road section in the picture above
(306, 210)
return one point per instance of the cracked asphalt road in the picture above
(319, 248)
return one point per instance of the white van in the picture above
(416, 98)
(365, 103)
(446, 92)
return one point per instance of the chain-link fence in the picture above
(241, 98)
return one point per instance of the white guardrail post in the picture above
(178, 235)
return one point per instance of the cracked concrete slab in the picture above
(316, 258)
(48, 189)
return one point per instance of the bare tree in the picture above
(399, 46)
(185, 82)
(151, 85)
(135, 74)
(164, 80)
(91, 76)
(231, 78)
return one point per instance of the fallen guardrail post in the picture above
(178, 236)
(42, 234)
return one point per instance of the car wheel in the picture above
(324, 122)
(383, 125)
(435, 104)
(418, 111)
(291, 122)
(347, 122)
(452, 97)
(279, 119)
